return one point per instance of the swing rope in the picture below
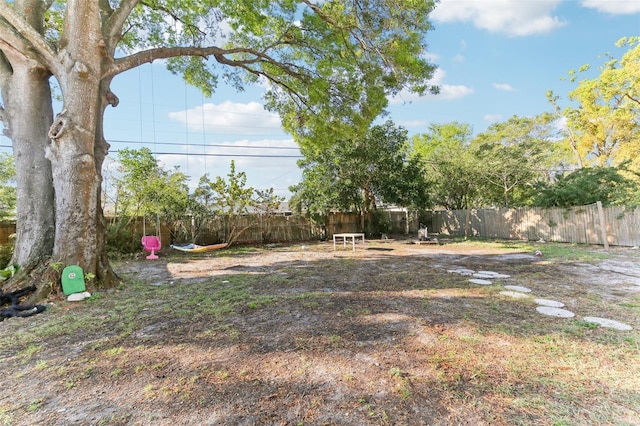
(155, 149)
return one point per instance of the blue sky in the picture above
(496, 58)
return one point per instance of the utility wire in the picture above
(207, 145)
(194, 154)
(190, 154)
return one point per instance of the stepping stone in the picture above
(515, 294)
(483, 276)
(555, 312)
(498, 276)
(518, 288)
(550, 303)
(609, 323)
(493, 274)
(461, 271)
(479, 281)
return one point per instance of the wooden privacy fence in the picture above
(261, 229)
(582, 224)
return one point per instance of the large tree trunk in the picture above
(59, 161)
(29, 114)
(77, 149)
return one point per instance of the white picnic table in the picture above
(345, 236)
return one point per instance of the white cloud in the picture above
(613, 7)
(504, 87)
(511, 17)
(431, 57)
(229, 117)
(264, 166)
(450, 92)
(492, 118)
(447, 91)
(458, 58)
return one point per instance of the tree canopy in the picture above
(452, 172)
(498, 167)
(603, 120)
(515, 154)
(328, 68)
(587, 186)
(358, 175)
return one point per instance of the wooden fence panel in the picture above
(343, 222)
(7, 229)
(579, 224)
(261, 229)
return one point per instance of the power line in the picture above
(193, 154)
(205, 145)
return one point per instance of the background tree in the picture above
(230, 199)
(587, 186)
(145, 191)
(452, 172)
(267, 204)
(603, 127)
(514, 155)
(358, 175)
(328, 66)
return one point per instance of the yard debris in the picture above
(76, 297)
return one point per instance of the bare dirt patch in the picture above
(303, 334)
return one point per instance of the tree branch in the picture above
(148, 56)
(11, 43)
(172, 15)
(113, 28)
(632, 99)
(36, 41)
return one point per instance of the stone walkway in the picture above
(545, 306)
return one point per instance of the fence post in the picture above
(467, 223)
(603, 225)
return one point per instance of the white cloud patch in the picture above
(511, 17)
(431, 57)
(458, 58)
(613, 7)
(229, 118)
(504, 87)
(447, 91)
(265, 162)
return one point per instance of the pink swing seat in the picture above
(151, 243)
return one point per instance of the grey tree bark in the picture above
(76, 138)
(27, 114)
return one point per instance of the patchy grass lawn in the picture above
(303, 334)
